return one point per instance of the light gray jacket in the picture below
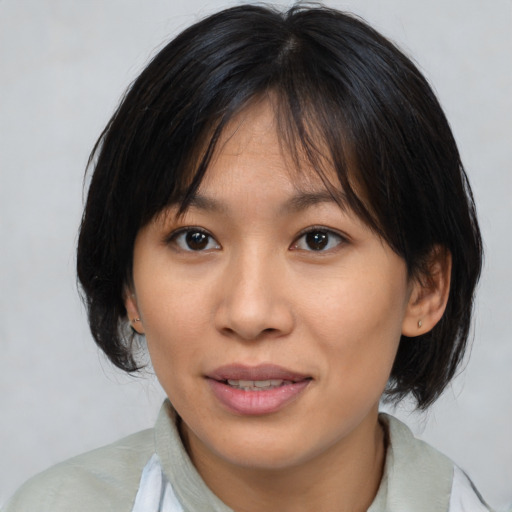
(151, 472)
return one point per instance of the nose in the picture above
(254, 302)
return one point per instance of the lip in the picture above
(261, 402)
(259, 372)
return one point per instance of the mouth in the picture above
(258, 385)
(258, 390)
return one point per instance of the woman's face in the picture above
(272, 316)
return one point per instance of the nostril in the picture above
(270, 331)
(253, 319)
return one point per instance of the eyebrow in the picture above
(208, 204)
(301, 200)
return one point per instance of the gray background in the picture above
(63, 67)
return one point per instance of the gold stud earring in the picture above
(420, 323)
(136, 320)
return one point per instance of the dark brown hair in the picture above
(338, 86)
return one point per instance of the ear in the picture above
(132, 310)
(429, 294)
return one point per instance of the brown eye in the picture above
(318, 240)
(194, 240)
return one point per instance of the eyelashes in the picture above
(192, 239)
(317, 239)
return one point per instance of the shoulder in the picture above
(105, 479)
(417, 475)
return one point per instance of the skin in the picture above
(257, 293)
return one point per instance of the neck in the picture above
(343, 478)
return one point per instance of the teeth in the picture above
(255, 385)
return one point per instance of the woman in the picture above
(279, 209)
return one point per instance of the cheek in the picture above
(357, 304)
(175, 320)
(169, 301)
(358, 323)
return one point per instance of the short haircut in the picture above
(343, 94)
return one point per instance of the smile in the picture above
(259, 390)
(257, 385)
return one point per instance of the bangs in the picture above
(301, 131)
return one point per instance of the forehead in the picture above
(253, 150)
